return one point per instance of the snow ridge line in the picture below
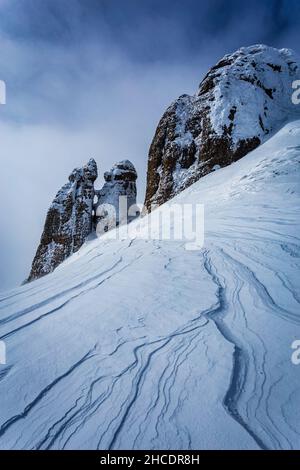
(59, 295)
(16, 330)
(263, 292)
(17, 315)
(4, 427)
(239, 369)
(89, 408)
(139, 379)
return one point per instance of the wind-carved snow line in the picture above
(140, 376)
(279, 274)
(31, 287)
(89, 408)
(41, 317)
(264, 293)
(168, 374)
(48, 300)
(182, 352)
(267, 424)
(5, 426)
(239, 370)
(63, 293)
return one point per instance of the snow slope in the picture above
(143, 344)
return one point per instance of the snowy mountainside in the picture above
(144, 344)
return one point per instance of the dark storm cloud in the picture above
(66, 47)
(92, 77)
(149, 29)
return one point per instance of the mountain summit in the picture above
(241, 101)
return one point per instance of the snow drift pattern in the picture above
(144, 345)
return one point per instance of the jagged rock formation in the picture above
(240, 102)
(119, 181)
(68, 221)
(73, 215)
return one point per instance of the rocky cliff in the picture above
(119, 181)
(68, 221)
(72, 215)
(241, 101)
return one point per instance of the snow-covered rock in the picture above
(242, 100)
(68, 221)
(120, 181)
(73, 215)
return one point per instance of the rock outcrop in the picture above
(73, 216)
(242, 100)
(119, 181)
(68, 221)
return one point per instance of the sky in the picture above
(91, 78)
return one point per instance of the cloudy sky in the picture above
(92, 78)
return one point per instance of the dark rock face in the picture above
(242, 100)
(119, 181)
(68, 221)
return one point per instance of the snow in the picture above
(269, 69)
(144, 344)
